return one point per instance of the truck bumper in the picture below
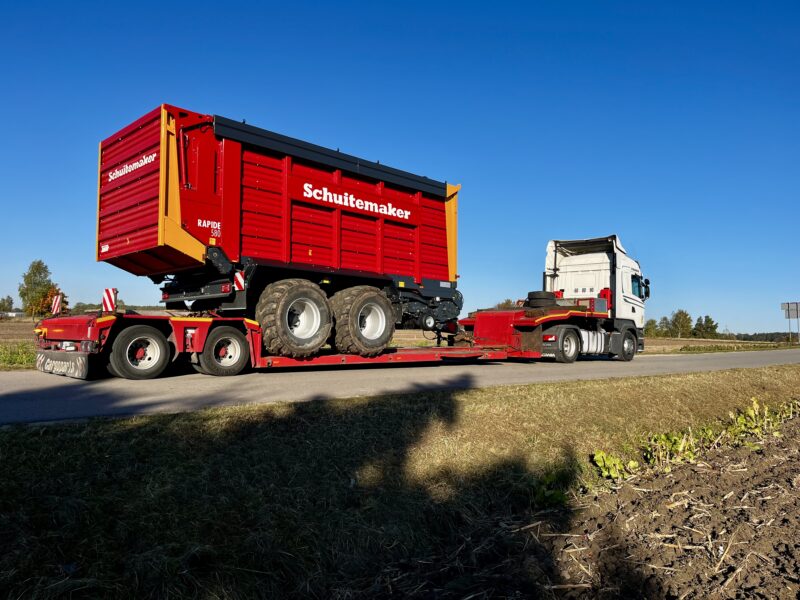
(71, 364)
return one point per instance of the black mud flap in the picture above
(71, 364)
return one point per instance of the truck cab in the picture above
(599, 269)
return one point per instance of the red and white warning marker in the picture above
(238, 281)
(55, 307)
(109, 299)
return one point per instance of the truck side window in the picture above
(636, 286)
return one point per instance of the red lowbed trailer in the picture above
(140, 346)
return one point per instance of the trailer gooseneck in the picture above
(290, 254)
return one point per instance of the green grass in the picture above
(17, 355)
(387, 496)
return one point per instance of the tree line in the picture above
(680, 325)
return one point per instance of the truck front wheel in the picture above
(294, 316)
(139, 352)
(569, 345)
(628, 347)
(225, 353)
(364, 320)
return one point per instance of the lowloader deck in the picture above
(138, 346)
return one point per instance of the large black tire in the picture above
(569, 346)
(540, 303)
(294, 316)
(364, 320)
(226, 352)
(541, 296)
(540, 300)
(629, 345)
(139, 352)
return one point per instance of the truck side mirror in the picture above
(647, 282)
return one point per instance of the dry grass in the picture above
(16, 330)
(362, 497)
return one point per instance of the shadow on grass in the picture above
(320, 499)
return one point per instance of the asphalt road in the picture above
(31, 396)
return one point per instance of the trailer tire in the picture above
(629, 344)
(569, 346)
(541, 296)
(139, 352)
(541, 303)
(226, 352)
(540, 300)
(295, 317)
(364, 320)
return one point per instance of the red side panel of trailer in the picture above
(173, 183)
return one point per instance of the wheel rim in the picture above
(627, 345)
(227, 351)
(143, 353)
(569, 345)
(303, 318)
(371, 321)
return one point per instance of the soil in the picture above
(725, 527)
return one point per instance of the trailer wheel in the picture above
(225, 353)
(569, 345)
(628, 347)
(295, 317)
(139, 352)
(364, 320)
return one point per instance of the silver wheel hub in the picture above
(227, 351)
(303, 318)
(628, 346)
(371, 321)
(143, 353)
(569, 345)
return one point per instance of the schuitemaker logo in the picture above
(132, 166)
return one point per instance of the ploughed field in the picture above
(727, 526)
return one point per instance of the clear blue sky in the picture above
(674, 124)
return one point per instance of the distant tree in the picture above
(664, 327)
(698, 330)
(6, 304)
(710, 327)
(47, 302)
(82, 307)
(681, 324)
(34, 288)
(507, 303)
(651, 328)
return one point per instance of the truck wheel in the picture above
(364, 320)
(225, 353)
(569, 345)
(628, 347)
(295, 317)
(139, 352)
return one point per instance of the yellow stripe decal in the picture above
(104, 319)
(193, 319)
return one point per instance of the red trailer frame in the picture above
(64, 344)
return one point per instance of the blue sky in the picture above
(675, 125)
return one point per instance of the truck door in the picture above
(632, 296)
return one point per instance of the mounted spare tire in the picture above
(294, 316)
(364, 320)
(540, 300)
